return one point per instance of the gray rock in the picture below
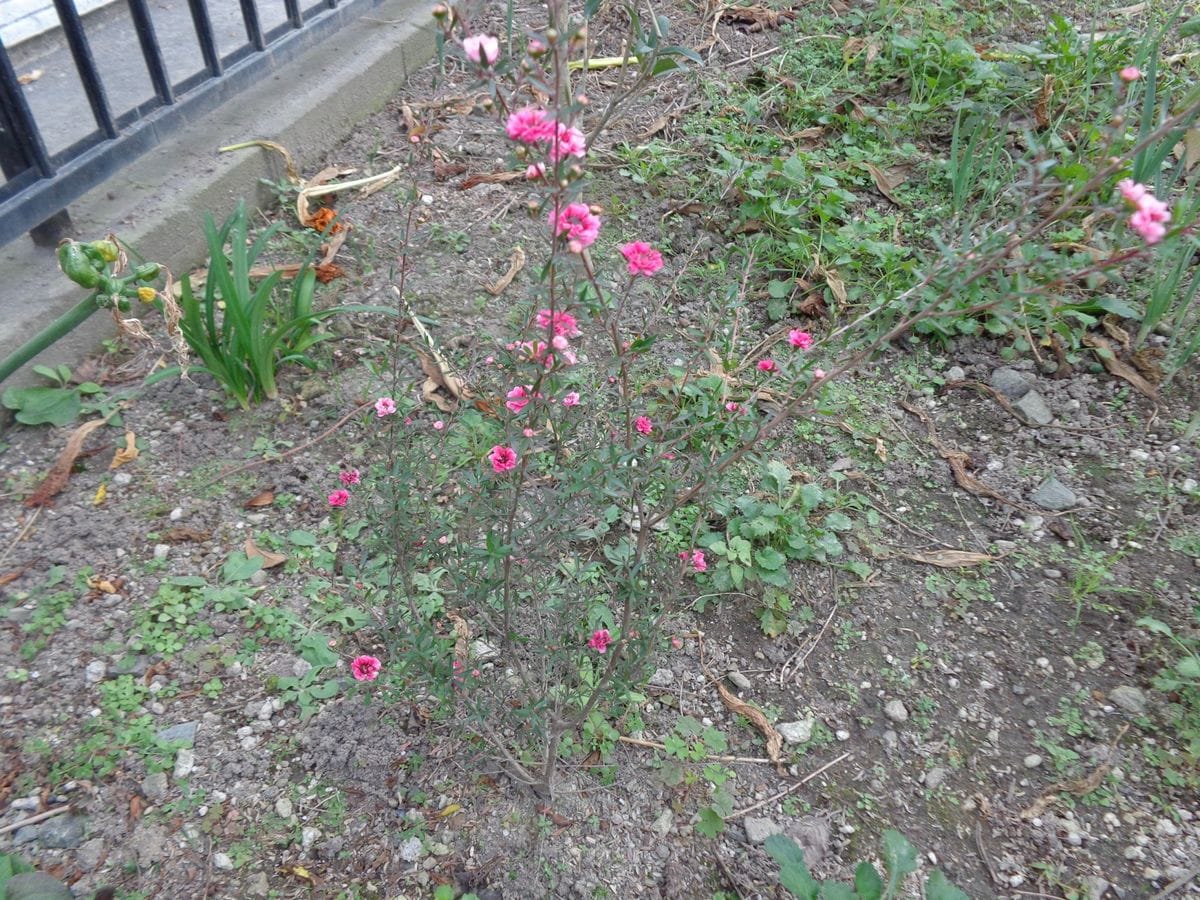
(162, 551)
(62, 832)
(258, 885)
(935, 777)
(154, 787)
(1033, 407)
(89, 854)
(1054, 495)
(283, 808)
(1128, 698)
(759, 829)
(1012, 384)
(739, 681)
(1032, 761)
(259, 578)
(94, 672)
(185, 731)
(148, 843)
(483, 651)
(814, 836)
(662, 677)
(411, 850)
(796, 732)
(662, 825)
(25, 835)
(222, 861)
(891, 740)
(895, 711)
(1096, 887)
(309, 835)
(185, 762)
(122, 478)
(956, 373)
(36, 886)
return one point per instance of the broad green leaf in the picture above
(303, 538)
(769, 558)
(785, 851)
(43, 405)
(793, 873)
(831, 890)
(1188, 667)
(838, 521)
(938, 887)
(867, 882)
(314, 649)
(239, 567)
(900, 859)
(325, 690)
(710, 823)
(188, 581)
(1154, 625)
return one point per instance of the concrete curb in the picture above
(157, 203)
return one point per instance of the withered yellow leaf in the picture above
(101, 493)
(951, 559)
(125, 454)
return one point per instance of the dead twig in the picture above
(33, 820)
(795, 787)
(1178, 883)
(254, 463)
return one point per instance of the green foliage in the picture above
(1180, 678)
(242, 329)
(767, 529)
(50, 610)
(900, 861)
(59, 405)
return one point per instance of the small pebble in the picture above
(1032, 761)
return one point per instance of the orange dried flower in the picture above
(320, 220)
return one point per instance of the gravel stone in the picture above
(154, 787)
(95, 671)
(62, 832)
(1128, 698)
(895, 711)
(222, 861)
(309, 835)
(148, 843)
(1032, 761)
(283, 808)
(956, 373)
(662, 677)
(482, 651)
(1053, 494)
(739, 681)
(411, 850)
(1033, 407)
(662, 825)
(185, 731)
(122, 478)
(1012, 384)
(185, 762)
(162, 551)
(25, 835)
(796, 732)
(89, 854)
(759, 829)
(935, 777)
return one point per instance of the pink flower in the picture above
(733, 407)
(600, 640)
(563, 322)
(339, 497)
(482, 48)
(1130, 74)
(529, 125)
(642, 258)
(577, 223)
(518, 398)
(1131, 190)
(365, 668)
(696, 558)
(767, 365)
(560, 343)
(349, 477)
(568, 141)
(1151, 230)
(572, 399)
(801, 340)
(643, 424)
(528, 432)
(439, 425)
(818, 374)
(535, 171)
(502, 458)
(385, 406)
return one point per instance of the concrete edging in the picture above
(157, 203)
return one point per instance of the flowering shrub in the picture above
(533, 549)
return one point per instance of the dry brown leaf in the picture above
(439, 374)
(1115, 331)
(836, 285)
(442, 171)
(951, 559)
(462, 637)
(60, 473)
(886, 182)
(31, 76)
(125, 454)
(135, 807)
(489, 178)
(1116, 367)
(270, 560)
(101, 584)
(9, 577)
(325, 175)
(181, 534)
(1148, 361)
(326, 272)
(262, 498)
(515, 265)
(756, 717)
(1041, 109)
(1191, 148)
(881, 452)
(655, 127)
(756, 18)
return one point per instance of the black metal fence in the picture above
(41, 179)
